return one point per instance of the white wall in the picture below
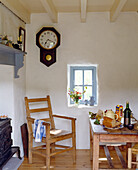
(19, 90)
(12, 91)
(6, 90)
(113, 46)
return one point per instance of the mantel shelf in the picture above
(12, 56)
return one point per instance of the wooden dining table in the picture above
(99, 134)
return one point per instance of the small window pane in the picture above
(88, 77)
(78, 77)
(78, 88)
(88, 93)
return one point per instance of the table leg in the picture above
(95, 152)
(91, 143)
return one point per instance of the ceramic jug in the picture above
(111, 114)
(91, 101)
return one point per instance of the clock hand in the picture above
(51, 41)
(48, 40)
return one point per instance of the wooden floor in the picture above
(64, 161)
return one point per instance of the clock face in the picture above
(48, 39)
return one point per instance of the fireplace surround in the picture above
(6, 148)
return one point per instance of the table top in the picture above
(99, 129)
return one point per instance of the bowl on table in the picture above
(131, 126)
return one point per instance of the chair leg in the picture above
(30, 149)
(74, 150)
(74, 141)
(53, 148)
(129, 157)
(30, 157)
(48, 156)
(48, 147)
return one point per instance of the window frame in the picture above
(94, 80)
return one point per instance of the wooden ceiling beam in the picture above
(50, 9)
(83, 10)
(116, 9)
(17, 9)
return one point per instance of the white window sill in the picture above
(81, 106)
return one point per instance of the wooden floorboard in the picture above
(64, 161)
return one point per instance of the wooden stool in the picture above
(133, 150)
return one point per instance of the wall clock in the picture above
(48, 39)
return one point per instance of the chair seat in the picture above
(55, 133)
(58, 132)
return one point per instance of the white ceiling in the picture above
(23, 8)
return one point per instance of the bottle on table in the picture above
(127, 115)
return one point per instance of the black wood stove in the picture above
(6, 149)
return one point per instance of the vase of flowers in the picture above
(76, 95)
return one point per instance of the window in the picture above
(81, 77)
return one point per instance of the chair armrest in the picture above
(64, 117)
(32, 121)
(46, 124)
(69, 118)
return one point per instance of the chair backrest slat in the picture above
(37, 100)
(39, 109)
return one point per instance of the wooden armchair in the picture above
(53, 135)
